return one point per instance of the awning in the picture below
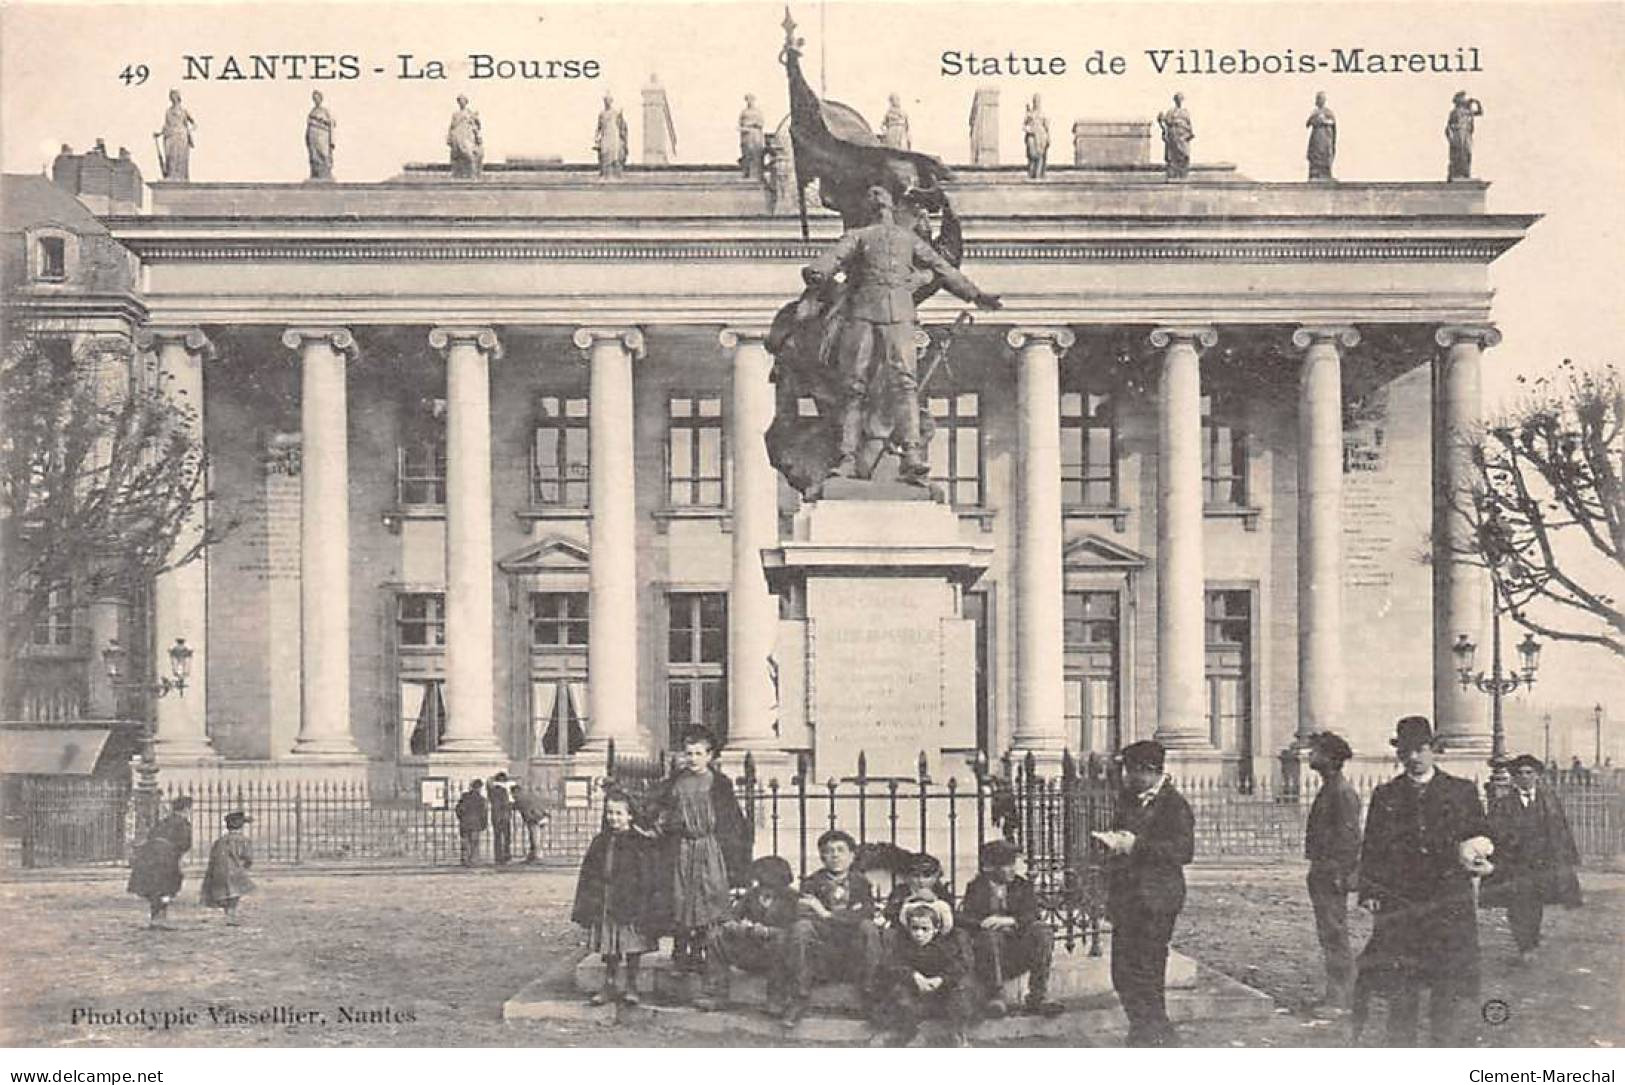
(52, 751)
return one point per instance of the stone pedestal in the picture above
(887, 661)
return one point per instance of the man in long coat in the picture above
(1535, 856)
(473, 815)
(155, 864)
(1331, 843)
(1425, 838)
(1153, 836)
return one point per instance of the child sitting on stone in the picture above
(1000, 913)
(922, 881)
(756, 937)
(835, 938)
(613, 896)
(925, 976)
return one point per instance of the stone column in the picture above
(612, 607)
(470, 649)
(753, 610)
(1040, 725)
(180, 596)
(1320, 527)
(324, 542)
(1181, 647)
(1460, 592)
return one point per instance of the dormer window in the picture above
(52, 254)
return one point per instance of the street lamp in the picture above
(1495, 683)
(115, 657)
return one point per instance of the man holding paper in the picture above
(1152, 837)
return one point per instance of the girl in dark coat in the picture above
(613, 897)
(227, 881)
(155, 864)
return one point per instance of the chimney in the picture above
(106, 186)
(984, 127)
(659, 134)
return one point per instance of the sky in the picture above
(1549, 141)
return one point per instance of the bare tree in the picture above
(102, 476)
(1546, 499)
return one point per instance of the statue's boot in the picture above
(851, 436)
(912, 467)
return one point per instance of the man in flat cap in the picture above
(1008, 937)
(1535, 856)
(1153, 836)
(1425, 838)
(1331, 843)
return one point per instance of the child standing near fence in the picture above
(708, 849)
(226, 881)
(155, 865)
(612, 899)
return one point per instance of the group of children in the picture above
(671, 867)
(155, 865)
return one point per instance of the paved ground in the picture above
(427, 959)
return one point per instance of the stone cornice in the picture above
(1347, 249)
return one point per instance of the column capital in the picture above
(448, 335)
(193, 339)
(1485, 335)
(731, 337)
(630, 338)
(1061, 339)
(1200, 336)
(1307, 335)
(339, 340)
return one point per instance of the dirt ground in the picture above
(426, 959)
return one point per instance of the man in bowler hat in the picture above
(1331, 843)
(1153, 836)
(1535, 856)
(1425, 838)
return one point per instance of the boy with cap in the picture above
(1331, 843)
(1425, 838)
(921, 880)
(1535, 856)
(472, 817)
(1009, 939)
(226, 881)
(836, 936)
(754, 938)
(501, 802)
(1153, 836)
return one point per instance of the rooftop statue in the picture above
(466, 141)
(894, 126)
(1458, 132)
(1035, 134)
(319, 139)
(1177, 134)
(175, 141)
(1322, 125)
(609, 141)
(752, 139)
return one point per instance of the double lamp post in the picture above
(115, 657)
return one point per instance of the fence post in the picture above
(925, 781)
(801, 808)
(298, 820)
(863, 797)
(979, 767)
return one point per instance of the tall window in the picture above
(558, 619)
(696, 663)
(420, 620)
(1229, 670)
(1224, 454)
(1088, 443)
(54, 626)
(956, 446)
(53, 258)
(421, 470)
(694, 451)
(559, 457)
(1090, 638)
(423, 715)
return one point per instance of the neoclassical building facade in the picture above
(493, 454)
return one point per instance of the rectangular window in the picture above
(423, 715)
(1088, 450)
(694, 452)
(558, 620)
(54, 626)
(559, 473)
(955, 448)
(1091, 636)
(421, 471)
(696, 664)
(1229, 636)
(53, 258)
(558, 709)
(420, 620)
(1224, 455)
